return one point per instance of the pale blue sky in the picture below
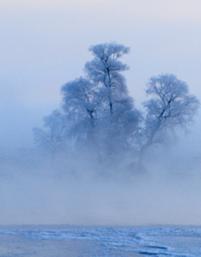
(45, 43)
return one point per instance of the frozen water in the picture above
(72, 241)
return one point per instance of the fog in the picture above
(32, 198)
(44, 45)
(76, 193)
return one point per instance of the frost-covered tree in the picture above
(117, 136)
(97, 111)
(80, 100)
(169, 106)
(106, 68)
(80, 104)
(98, 116)
(51, 138)
(118, 119)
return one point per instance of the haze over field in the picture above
(43, 46)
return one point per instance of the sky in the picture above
(45, 43)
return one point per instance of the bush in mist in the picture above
(99, 121)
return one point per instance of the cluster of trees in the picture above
(99, 118)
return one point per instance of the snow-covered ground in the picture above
(72, 241)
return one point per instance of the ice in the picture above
(75, 241)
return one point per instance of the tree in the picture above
(97, 111)
(51, 138)
(80, 99)
(117, 137)
(80, 104)
(118, 119)
(98, 116)
(170, 106)
(106, 68)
